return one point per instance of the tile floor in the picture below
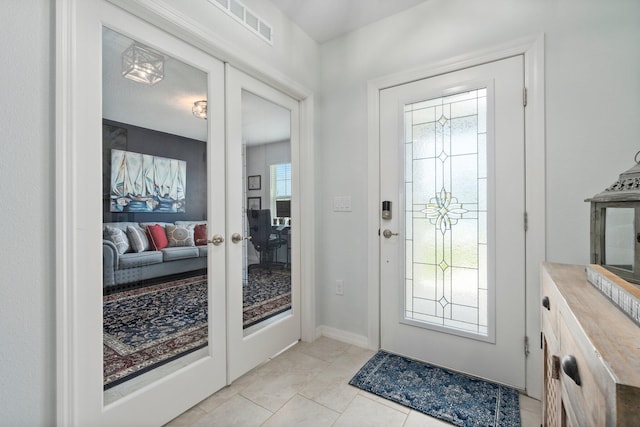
(308, 386)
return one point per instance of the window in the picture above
(280, 184)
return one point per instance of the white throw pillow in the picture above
(138, 239)
(119, 238)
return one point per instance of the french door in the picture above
(453, 244)
(121, 162)
(262, 180)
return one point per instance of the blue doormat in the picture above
(456, 398)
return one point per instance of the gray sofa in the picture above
(129, 267)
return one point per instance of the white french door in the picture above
(217, 177)
(262, 132)
(452, 254)
(84, 207)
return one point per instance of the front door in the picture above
(453, 247)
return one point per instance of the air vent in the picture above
(250, 20)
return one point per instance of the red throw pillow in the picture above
(157, 237)
(200, 234)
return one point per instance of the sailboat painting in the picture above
(146, 183)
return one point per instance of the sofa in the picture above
(133, 251)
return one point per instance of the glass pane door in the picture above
(262, 198)
(266, 136)
(142, 307)
(154, 217)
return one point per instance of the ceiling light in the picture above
(199, 109)
(141, 64)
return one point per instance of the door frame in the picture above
(535, 187)
(190, 31)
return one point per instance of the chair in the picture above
(264, 241)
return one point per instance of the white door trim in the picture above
(533, 50)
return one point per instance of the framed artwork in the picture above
(254, 203)
(146, 183)
(254, 182)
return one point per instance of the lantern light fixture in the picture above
(142, 65)
(199, 109)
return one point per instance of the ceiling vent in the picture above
(247, 18)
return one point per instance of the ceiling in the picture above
(166, 106)
(324, 20)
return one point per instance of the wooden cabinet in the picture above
(591, 354)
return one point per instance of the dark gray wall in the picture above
(127, 137)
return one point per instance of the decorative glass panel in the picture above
(446, 212)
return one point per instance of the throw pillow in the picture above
(200, 234)
(157, 237)
(180, 235)
(119, 238)
(138, 239)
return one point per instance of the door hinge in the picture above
(524, 97)
(541, 340)
(526, 221)
(526, 346)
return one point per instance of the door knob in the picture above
(388, 233)
(237, 238)
(216, 240)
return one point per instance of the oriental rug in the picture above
(449, 396)
(266, 294)
(147, 327)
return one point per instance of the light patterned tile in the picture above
(302, 412)
(383, 401)
(530, 404)
(331, 388)
(274, 390)
(323, 348)
(418, 419)
(236, 412)
(363, 411)
(188, 418)
(292, 361)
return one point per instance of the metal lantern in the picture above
(615, 226)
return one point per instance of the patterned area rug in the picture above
(458, 399)
(151, 326)
(148, 327)
(265, 295)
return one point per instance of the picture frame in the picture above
(254, 203)
(254, 182)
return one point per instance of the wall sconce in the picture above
(199, 109)
(142, 65)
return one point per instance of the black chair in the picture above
(264, 240)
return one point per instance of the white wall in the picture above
(592, 105)
(27, 298)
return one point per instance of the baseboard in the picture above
(343, 336)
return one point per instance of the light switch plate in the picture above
(342, 204)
